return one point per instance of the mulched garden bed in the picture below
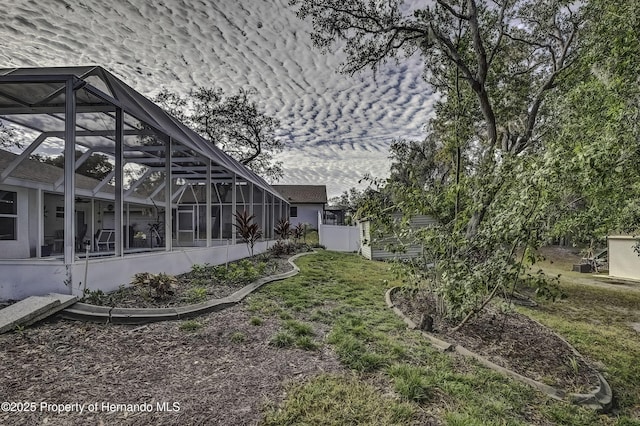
(222, 373)
(511, 340)
(203, 282)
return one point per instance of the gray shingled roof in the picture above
(303, 194)
(36, 171)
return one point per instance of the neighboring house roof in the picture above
(303, 194)
(36, 171)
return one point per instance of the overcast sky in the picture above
(337, 127)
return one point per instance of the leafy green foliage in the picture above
(242, 271)
(197, 295)
(190, 325)
(94, 297)
(466, 271)
(162, 283)
(593, 143)
(482, 173)
(282, 339)
(237, 337)
(350, 201)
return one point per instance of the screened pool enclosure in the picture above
(168, 203)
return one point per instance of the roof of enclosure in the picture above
(35, 98)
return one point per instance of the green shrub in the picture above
(203, 272)
(255, 321)
(94, 297)
(282, 339)
(282, 247)
(197, 295)
(190, 325)
(298, 328)
(162, 283)
(237, 337)
(306, 343)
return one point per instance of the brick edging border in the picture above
(108, 314)
(599, 399)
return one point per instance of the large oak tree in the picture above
(508, 53)
(481, 171)
(234, 123)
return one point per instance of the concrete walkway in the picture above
(33, 309)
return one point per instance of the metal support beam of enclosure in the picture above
(69, 172)
(234, 196)
(119, 154)
(168, 243)
(208, 202)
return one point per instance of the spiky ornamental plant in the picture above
(283, 229)
(300, 231)
(249, 231)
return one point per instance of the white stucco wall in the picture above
(33, 277)
(307, 213)
(624, 262)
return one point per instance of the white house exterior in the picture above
(306, 201)
(375, 246)
(64, 232)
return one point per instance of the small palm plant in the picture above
(283, 229)
(249, 232)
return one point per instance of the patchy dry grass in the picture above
(341, 298)
(327, 332)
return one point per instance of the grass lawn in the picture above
(396, 377)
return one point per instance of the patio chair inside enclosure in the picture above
(106, 239)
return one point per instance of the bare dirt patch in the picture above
(221, 373)
(511, 340)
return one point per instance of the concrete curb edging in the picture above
(108, 314)
(599, 399)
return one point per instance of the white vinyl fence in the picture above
(338, 238)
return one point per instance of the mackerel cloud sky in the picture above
(337, 127)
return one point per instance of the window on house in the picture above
(8, 215)
(293, 212)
